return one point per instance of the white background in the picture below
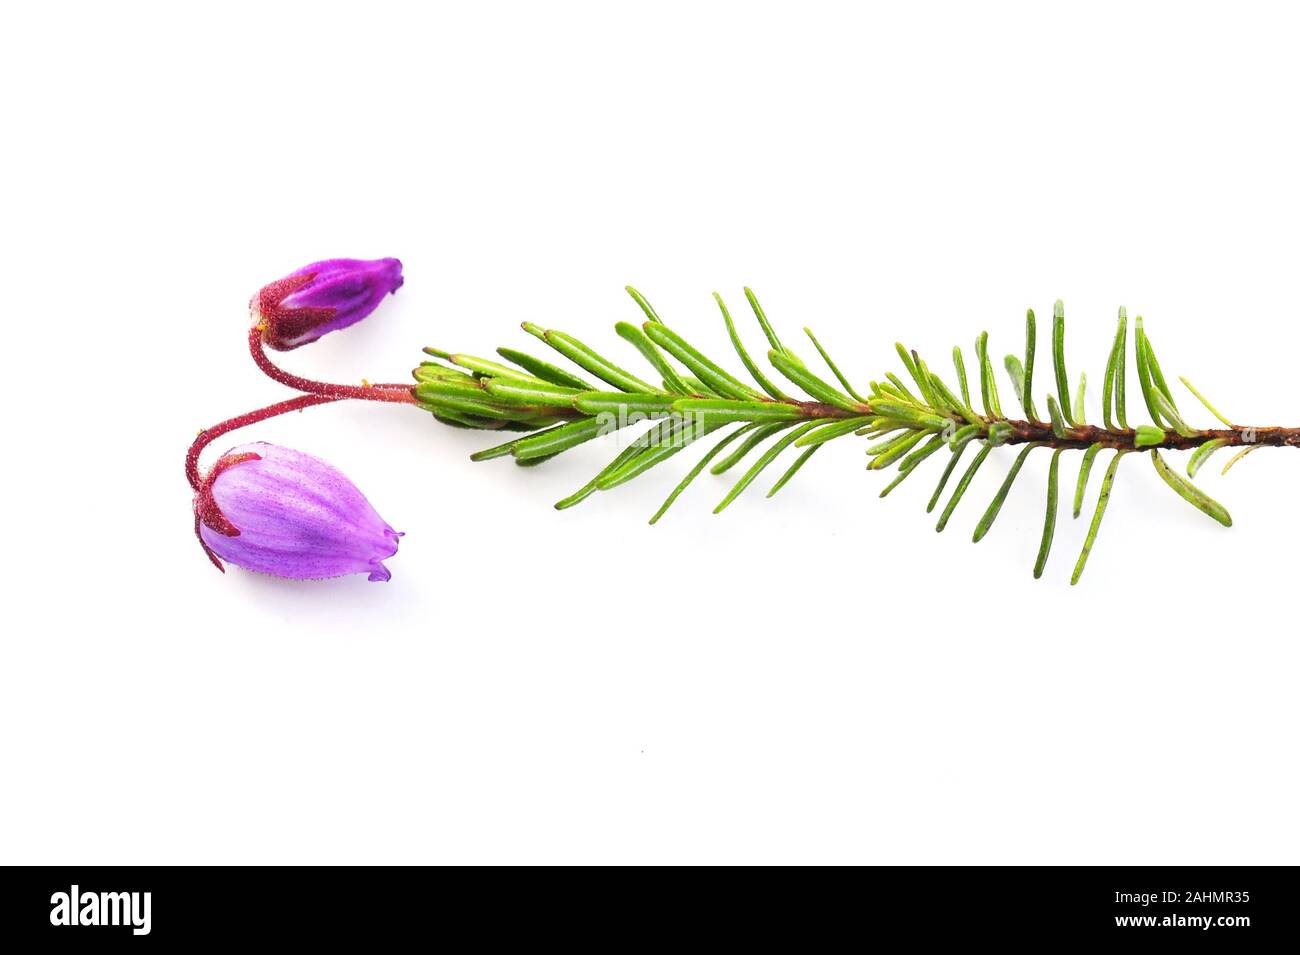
(819, 677)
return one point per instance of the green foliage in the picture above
(795, 409)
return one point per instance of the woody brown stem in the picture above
(1084, 436)
(1125, 440)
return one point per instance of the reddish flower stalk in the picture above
(208, 435)
(382, 392)
(279, 500)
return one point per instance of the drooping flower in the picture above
(282, 512)
(321, 298)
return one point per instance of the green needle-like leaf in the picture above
(1170, 414)
(720, 409)
(534, 462)
(501, 450)
(658, 445)
(1190, 493)
(748, 362)
(672, 380)
(618, 403)
(952, 401)
(947, 473)
(1144, 373)
(486, 367)
(1058, 423)
(912, 362)
(897, 450)
(1049, 518)
(1103, 499)
(995, 506)
(902, 388)
(1239, 455)
(1147, 436)
(558, 439)
(544, 370)
(820, 390)
(515, 391)
(888, 390)
(920, 454)
(903, 475)
(833, 367)
(1085, 468)
(933, 397)
(910, 463)
(767, 458)
(456, 420)
(831, 431)
(1157, 376)
(794, 469)
(891, 396)
(909, 414)
(879, 427)
(965, 434)
(1202, 454)
(711, 374)
(906, 359)
(962, 485)
(999, 433)
(889, 443)
(434, 389)
(1113, 386)
(756, 438)
(1027, 375)
(646, 307)
(698, 387)
(586, 358)
(432, 371)
(699, 467)
(1016, 372)
(1079, 416)
(988, 383)
(1203, 400)
(763, 322)
(627, 454)
(960, 364)
(442, 398)
(1058, 360)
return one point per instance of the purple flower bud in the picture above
(282, 512)
(321, 298)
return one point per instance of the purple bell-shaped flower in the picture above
(321, 298)
(282, 512)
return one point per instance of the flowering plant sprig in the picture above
(276, 510)
(791, 407)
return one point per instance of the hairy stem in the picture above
(1124, 439)
(208, 435)
(1081, 436)
(381, 392)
